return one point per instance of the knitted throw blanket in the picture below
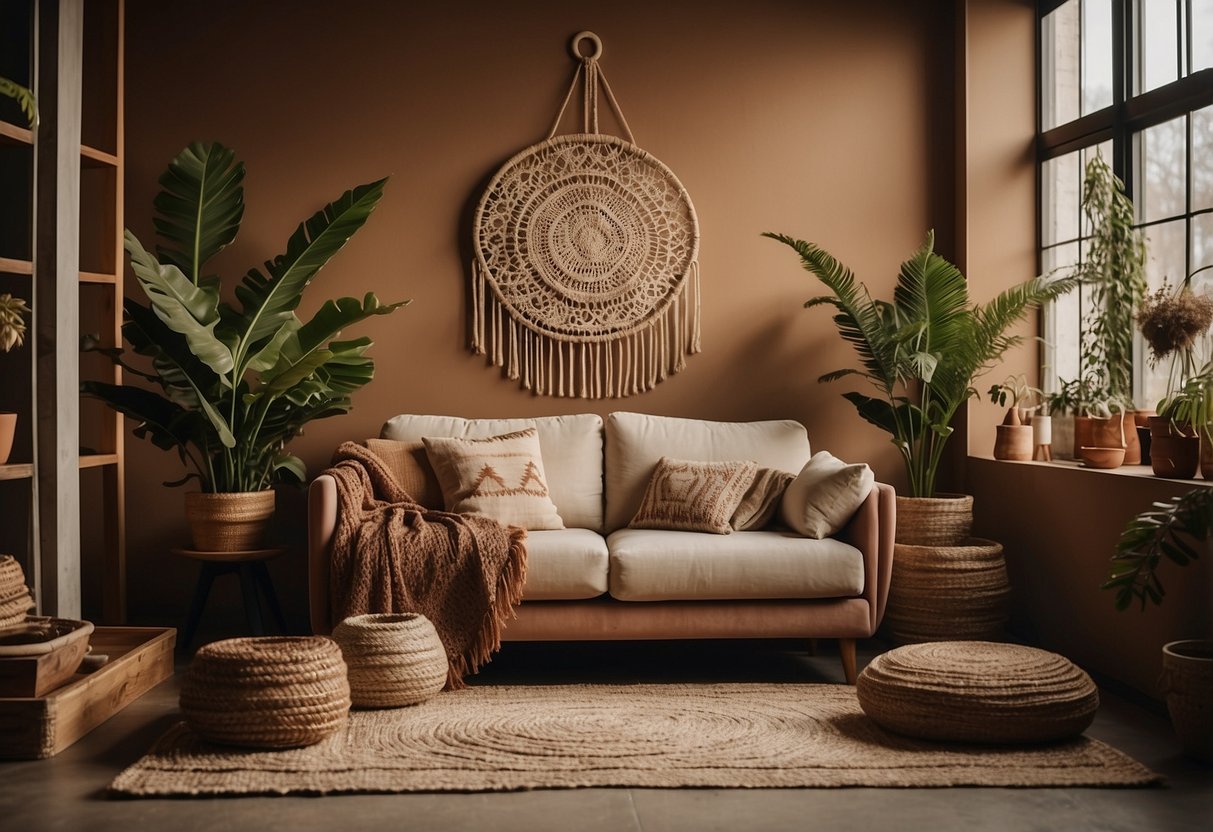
(464, 573)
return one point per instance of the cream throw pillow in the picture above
(500, 477)
(411, 468)
(822, 498)
(693, 496)
(761, 500)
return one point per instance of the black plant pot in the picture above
(1143, 436)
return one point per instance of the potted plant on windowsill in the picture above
(237, 382)
(1175, 530)
(1113, 272)
(1022, 430)
(921, 351)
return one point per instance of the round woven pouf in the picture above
(394, 659)
(266, 692)
(977, 691)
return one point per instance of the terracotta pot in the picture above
(1132, 445)
(1187, 682)
(233, 522)
(1013, 442)
(8, 428)
(1102, 457)
(1084, 434)
(1141, 418)
(1174, 450)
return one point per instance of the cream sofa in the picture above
(598, 579)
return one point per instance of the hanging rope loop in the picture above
(590, 74)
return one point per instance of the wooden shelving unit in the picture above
(63, 253)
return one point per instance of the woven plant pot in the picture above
(976, 691)
(232, 522)
(281, 692)
(393, 659)
(940, 593)
(1187, 681)
(944, 520)
(15, 600)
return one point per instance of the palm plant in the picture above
(237, 383)
(1174, 530)
(923, 350)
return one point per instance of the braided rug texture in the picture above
(665, 736)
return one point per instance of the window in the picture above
(1131, 80)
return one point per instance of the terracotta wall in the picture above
(830, 121)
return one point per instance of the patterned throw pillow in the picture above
(411, 468)
(500, 477)
(693, 496)
(824, 495)
(761, 500)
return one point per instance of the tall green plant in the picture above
(1114, 270)
(237, 382)
(922, 350)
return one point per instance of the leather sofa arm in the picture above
(871, 531)
(321, 523)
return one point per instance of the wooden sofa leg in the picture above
(846, 649)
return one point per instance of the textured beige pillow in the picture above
(500, 477)
(824, 495)
(411, 468)
(761, 500)
(693, 496)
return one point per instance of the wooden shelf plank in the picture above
(14, 266)
(14, 134)
(97, 277)
(97, 460)
(17, 471)
(92, 157)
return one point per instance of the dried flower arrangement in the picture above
(12, 321)
(1171, 321)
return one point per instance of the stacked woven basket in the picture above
(945, 584)
(15, 600)
(393, 659)
(266, 692)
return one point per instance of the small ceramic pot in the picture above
(1095, 457)
(1174, 449)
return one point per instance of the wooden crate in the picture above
(139, 659)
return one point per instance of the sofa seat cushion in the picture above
(653, 565)
(565, 565)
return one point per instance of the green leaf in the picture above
(189, 310)
(24, 98)
(200, 206)
(290, 465)
(268, 301)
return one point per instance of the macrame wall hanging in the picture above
(586, 279)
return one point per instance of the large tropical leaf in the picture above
(269, 300)
(200, 207)
(164, 422)
(933, 295)
(187, 309)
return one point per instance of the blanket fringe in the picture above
(595, 369)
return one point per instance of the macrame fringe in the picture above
(615, 368)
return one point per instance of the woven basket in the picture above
(232, 522)
(977, 691)
(1187, 681)
(266, 692)
(945, 520)
(939, 593)
(15, 600)
(393, 659)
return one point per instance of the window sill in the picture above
(1133, 471)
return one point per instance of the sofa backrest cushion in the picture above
(635, 442)
(571, 448)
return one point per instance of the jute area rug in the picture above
(664, 736)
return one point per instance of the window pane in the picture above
(1065, 330)
(1161, 177)
(1166, 245)
(1061, 181)
(1096, 55)
(1202, 251)
(1059, 34)
(1157, 45)
(1202, 158)
(1089, 153)
(1202, 34)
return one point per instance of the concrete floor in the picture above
(68, 792)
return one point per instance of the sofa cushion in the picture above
(565, 565)
(409, 464)
(824, 495)
(757, 508)
(693, 496)
(650, 565)
(571, 448)
(636, 441)
(498, 476)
